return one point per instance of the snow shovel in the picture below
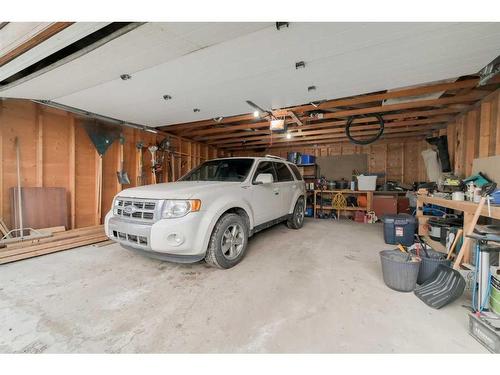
(443, 287)
(123, 178)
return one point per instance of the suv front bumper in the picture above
(184, 237)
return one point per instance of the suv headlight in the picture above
(173, 208)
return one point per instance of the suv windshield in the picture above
(235, 170)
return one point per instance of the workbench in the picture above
(468, 208)
(329, 194)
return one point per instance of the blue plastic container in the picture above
(309, 212)
(307, 159)
(294, 157)
(496, 197)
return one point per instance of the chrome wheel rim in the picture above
(299, 213)
(233, 241)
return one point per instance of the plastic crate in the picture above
(483, 333)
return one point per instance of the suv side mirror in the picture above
(264, 178)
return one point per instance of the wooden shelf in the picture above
(341, 209)
(330, 193)
(468, 208)
(345, 191)
(464, 206)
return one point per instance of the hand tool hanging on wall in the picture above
(167, 150)
(102, 136)
(123, 178)
(140, 163)
(153, 149)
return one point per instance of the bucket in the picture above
(430, 264)
(399, 271)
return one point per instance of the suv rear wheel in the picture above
(297, 219)
(228, 242)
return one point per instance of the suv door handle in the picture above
(276, 191)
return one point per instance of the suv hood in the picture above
(173, 190)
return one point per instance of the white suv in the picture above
(210, 212)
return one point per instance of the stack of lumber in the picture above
(57, 242)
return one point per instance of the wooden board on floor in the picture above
(42, 207)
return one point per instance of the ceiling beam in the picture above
(367, 130)
(337, 130)
(412, 134)
(459, 99)
(361, 99)
(329, 124)
(203, 135)
(389, 139)
(42, 36)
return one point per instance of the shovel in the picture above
(153, 149)
(123, 178)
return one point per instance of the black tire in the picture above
(365, 141)
(218, 257)
(296, 221)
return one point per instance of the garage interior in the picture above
(89, 109)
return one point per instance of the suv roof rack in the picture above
(274, 157)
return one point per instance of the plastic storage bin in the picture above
(307, 159)
(368, 183)
(399, 229)
(294, 157)
(400, 272)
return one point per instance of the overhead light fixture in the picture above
(288, 135)
(256, 114)
(125, 77)
(195, 110)
(150, 130)
(300, 64)
(167, 97)
(277, 125)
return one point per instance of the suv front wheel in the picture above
(228, 242)
(297, 219)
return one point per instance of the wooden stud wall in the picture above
(475, 134)
(399, 161)
(56, 152)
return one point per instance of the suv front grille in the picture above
(139, 240)
(139, 209)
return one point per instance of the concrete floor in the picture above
(318, 289)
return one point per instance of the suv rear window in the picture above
(295, 171)
(265, 167)
(283, 172)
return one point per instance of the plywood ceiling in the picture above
(217, 66)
